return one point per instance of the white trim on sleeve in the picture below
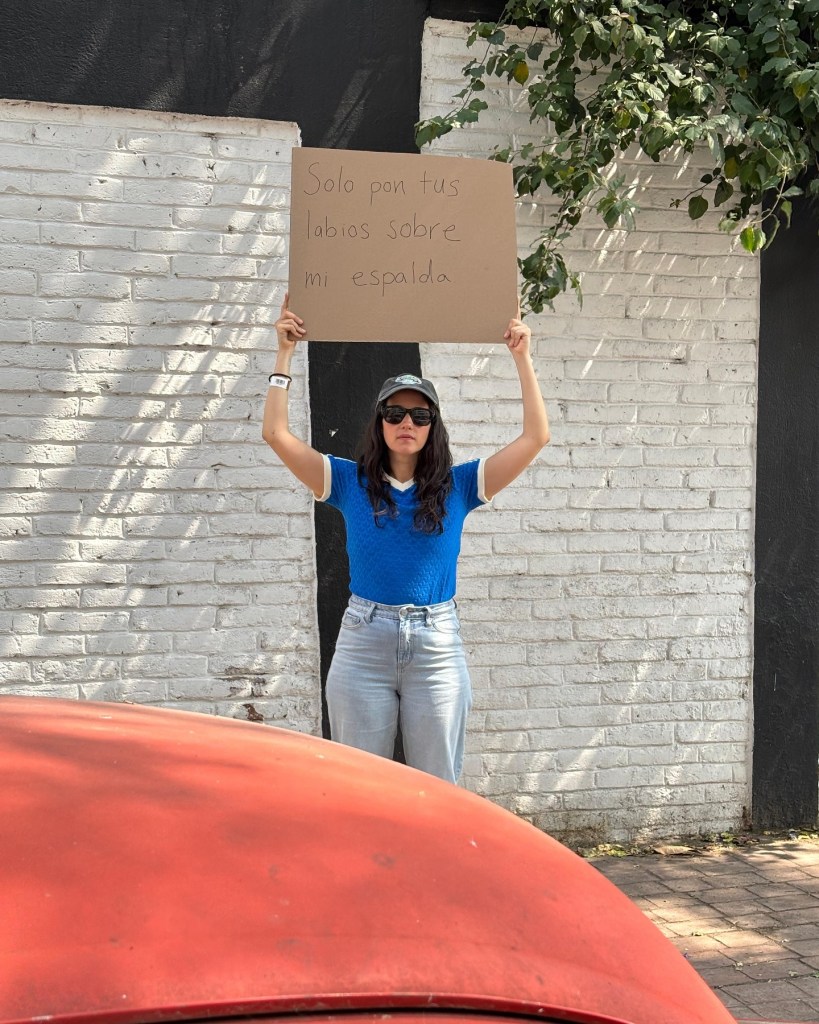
(482, 482)
(328, 479)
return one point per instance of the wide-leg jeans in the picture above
(401, 663)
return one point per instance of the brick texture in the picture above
(607, 597)
(151, 548)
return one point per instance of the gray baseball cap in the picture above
(408, 381)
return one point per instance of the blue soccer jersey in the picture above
(394, 563)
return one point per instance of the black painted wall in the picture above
(786, 624)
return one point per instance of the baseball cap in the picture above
(408, 381)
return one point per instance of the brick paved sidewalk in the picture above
(746, 917)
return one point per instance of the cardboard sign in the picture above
(399, 247)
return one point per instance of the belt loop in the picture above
(427, 616)
(368, 615)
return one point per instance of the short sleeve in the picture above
(328, 479)
(468, 481)
(339, 478)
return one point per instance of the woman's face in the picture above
(405, 438)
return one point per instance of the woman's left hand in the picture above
(517, 337)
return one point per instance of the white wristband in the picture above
(276, 380)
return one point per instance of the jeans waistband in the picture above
(401, 611)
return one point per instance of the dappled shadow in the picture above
(612, 639)
(745, 917)
(154, 552)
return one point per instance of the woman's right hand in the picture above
(289, 327)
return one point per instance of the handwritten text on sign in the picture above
(392, 247)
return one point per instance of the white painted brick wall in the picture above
(151, 548)
(607, 597)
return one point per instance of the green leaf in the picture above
(673, 74)
(611, 216)
(777, 63)
(753, 238)
(426, 131)
(741, 76)
(724, 190)
(697, 206)
(716, 148)
(489, 30)
(622, 118)
(521, 72)
(742, 105)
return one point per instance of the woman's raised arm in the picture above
(507, 464)
(304, 462)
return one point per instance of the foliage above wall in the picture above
(740, 76)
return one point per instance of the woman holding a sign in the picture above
(399, 656)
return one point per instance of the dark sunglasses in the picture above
(395, 414)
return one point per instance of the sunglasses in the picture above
(395, 414)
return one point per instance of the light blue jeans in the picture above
(401, 663)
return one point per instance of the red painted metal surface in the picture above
(162, 865)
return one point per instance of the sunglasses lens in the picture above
(395, 413)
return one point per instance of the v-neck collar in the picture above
(397, 486)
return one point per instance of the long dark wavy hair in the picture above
(433, 474)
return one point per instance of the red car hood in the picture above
(163, 865)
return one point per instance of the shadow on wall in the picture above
(159, 553)
(608, 596)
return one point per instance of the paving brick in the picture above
(774, 891)
(758, 992)
(809, 985)
(805, 946)
(759, 922)
(736, 939)
(739, 946)
(776, 969)
(739, 908)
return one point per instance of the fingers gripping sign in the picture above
(517, 335)
(289, 327)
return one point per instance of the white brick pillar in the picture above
(607, 596)
(152, 547)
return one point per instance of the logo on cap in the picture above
(407, 378)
